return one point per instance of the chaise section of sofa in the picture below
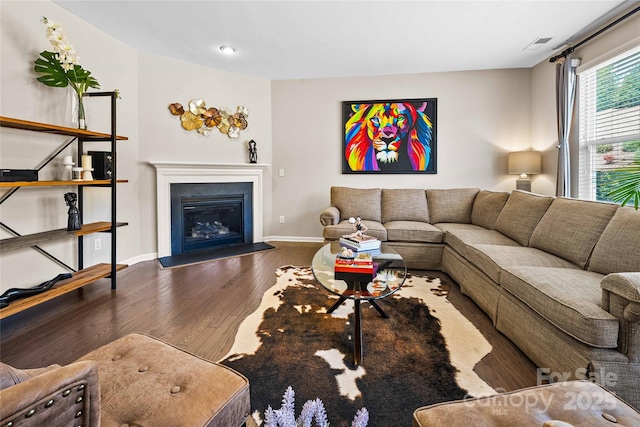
(560, 277)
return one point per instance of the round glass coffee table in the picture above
(389, 274)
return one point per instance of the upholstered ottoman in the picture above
(146, 382)
(577, 403)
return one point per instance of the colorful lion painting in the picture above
(389, 136)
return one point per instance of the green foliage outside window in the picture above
(618, 87)
(631, 146)
(604, 148)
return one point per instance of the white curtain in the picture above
(565, 97)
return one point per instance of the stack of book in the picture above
(360, 243)
(359, 268)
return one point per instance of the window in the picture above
(609, 122)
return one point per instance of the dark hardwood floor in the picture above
(198, 308)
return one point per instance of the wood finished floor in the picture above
(198, 308)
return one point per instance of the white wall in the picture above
(481, 116)
(31, 210)
(148, 85)
(165, 81)
(544, 133)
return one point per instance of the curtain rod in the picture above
(570, 49)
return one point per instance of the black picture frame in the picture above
(397, 136)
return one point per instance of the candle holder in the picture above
(76, 173)
(86, 168)
(68, 163)
(87, 175)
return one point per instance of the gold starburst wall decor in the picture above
(203, 120)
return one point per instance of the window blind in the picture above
(609, 121)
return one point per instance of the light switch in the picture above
(281, 172)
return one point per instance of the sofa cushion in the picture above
(568, 298)
(492, 259)
(570, 228)
(334, 232)
(618, 249)
(413, 231)
(459, 240)
(521, 215)
(357, 202)
(486, 208)
(449, 226)
(404, 205)
(452, 205)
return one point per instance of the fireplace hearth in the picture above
(210, 215)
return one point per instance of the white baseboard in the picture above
(293, 239)
(140, 258)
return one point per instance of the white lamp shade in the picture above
(528, 162)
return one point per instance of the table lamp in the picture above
(524, 163)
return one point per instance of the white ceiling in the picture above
(314, 39)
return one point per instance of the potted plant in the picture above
(626, 183)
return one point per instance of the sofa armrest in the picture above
(69, 395)
(626, 285)
(330, 216)
(621, 297)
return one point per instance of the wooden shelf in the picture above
(9, 122)
(84, 276)
(59, 183)
(14, 243)
(80, 278)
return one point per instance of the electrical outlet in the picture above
(97, 244)
(281, 219)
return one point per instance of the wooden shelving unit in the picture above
(95, 182)
(83, 276)
(14, 243)
(9, 122)
(79, 279)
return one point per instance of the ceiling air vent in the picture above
(537, 43)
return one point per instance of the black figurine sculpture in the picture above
(13, 294)
(73, 222)
(253, 152)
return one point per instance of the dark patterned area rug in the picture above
(423, 353)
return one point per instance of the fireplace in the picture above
(209, 215)
(169, 174)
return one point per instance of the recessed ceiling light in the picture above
(228, 50)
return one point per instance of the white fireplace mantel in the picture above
(168, 173)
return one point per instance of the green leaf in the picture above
(626, 181)
(52, 73)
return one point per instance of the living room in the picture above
(482, 116)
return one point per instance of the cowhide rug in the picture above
(423, 353)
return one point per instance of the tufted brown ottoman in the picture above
(573, 403)
(146, 382)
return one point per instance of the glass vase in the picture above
(78, 111)
(82, 118)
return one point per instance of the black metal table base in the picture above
(357, 322)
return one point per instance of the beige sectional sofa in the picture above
(560, 277)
